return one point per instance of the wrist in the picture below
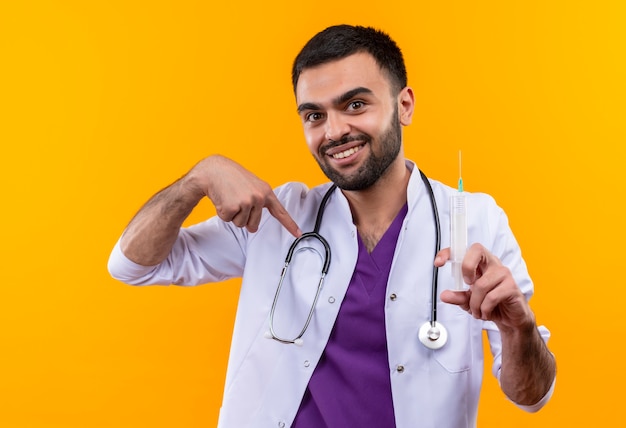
(196, 183)
(524, 328)
(190, 188)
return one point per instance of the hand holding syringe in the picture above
(458, 233)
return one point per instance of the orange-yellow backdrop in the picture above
(102, 103)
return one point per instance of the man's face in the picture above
(351, 119)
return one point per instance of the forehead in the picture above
(327, 81)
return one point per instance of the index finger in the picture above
(279, 212)
(475, 263)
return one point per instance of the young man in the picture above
(350, 354)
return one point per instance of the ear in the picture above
(406, 105)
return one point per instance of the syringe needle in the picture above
(460, 173)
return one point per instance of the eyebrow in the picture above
(337, 101)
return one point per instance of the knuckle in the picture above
(254, 200)
(225, 213)
(229, 212)
(267, 188)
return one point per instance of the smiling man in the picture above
(348, 354)
(355, 135)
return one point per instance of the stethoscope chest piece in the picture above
(433, 335)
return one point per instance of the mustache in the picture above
(346, 139)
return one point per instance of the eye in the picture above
(355, 105)
(313, 117)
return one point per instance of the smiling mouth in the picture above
(347, 152)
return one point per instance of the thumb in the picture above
(459, 298)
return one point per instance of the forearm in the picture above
(238, 196)
(150, 235)
(528, 367)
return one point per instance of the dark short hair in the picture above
(340, 41)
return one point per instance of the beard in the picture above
(375, 165)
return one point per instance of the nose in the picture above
(336, 126)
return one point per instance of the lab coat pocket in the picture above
(456, 355)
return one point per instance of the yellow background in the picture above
(103, 103)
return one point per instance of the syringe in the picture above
(458, 233)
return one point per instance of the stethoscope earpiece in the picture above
(433, 335)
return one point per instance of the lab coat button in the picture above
(331, 299)
(400, 368)
(393, 296)
(306, 363)
(281, 424)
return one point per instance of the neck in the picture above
(375, 208)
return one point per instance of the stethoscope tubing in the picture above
(434, 282)
(327, 258)
(432, 334)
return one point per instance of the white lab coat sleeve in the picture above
(210, 251)
(206, 252)
(506, 248)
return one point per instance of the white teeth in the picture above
(346, 153)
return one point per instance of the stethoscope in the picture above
(432, 334)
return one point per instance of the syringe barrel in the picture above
(458, 237)
(458, 227)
